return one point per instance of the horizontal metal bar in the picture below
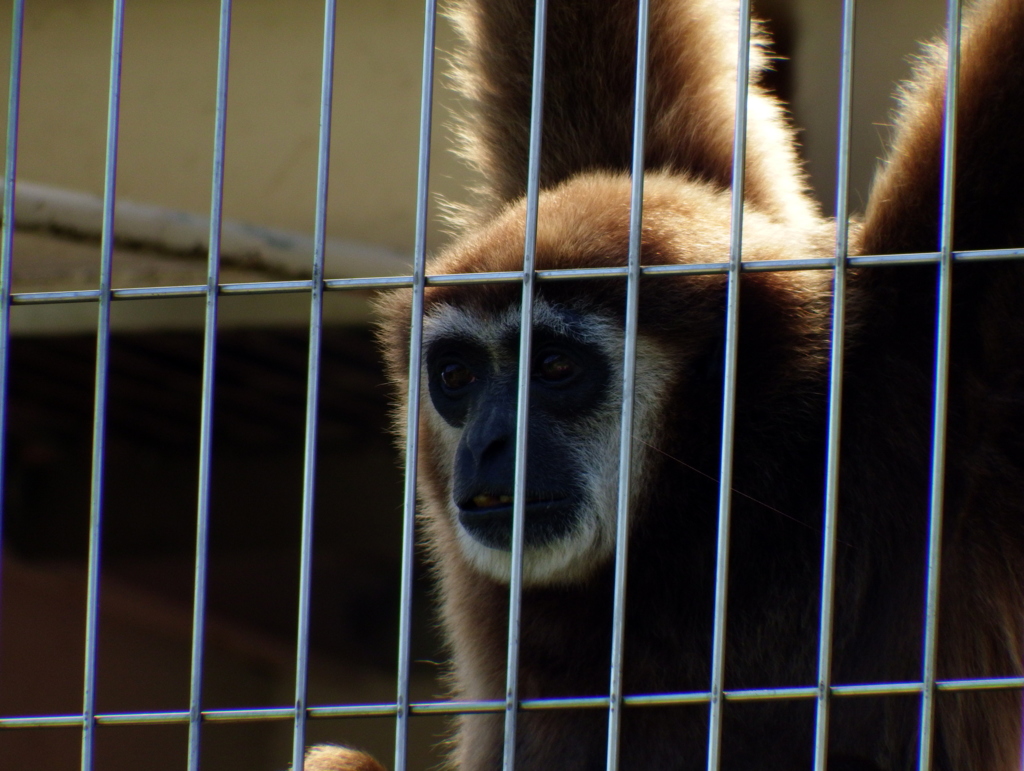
(266, 287)
(166, 292)
(507, 276)
(477, 707)
(870, 260)
(47, 721)
(378, 282)
(48, 298)
(992, 683)
(504, 277)
(353, 710)
(771, 694)
(876, 689)
(462, 707)
(237, 715)
(145, 293)
(75, 721)
(146, 718)
(981, 255)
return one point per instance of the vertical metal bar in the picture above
(636, 204)
(313, 386)
(7, 232)
(100, 396)
(206, 409)
(523, 387)
(413, 405)
(942, 320)
(835, 395)
(729, 390)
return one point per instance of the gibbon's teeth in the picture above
(485, 501)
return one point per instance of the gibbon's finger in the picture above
(330, 757)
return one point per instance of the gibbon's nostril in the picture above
(494, 450)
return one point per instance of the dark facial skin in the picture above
(474, 389)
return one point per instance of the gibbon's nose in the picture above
(489, 434)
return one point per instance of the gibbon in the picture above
(467, 429)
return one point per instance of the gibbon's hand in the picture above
(330, 757)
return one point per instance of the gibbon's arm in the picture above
(983, 539)
(903, 209)
(588, 98)
(903, 213)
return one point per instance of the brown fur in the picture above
(781, 401)
(588, 99)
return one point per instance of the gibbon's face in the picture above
(471, 373)
(470, 369)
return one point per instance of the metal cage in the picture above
(403, 710)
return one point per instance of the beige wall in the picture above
(167, 108)
(166, 137)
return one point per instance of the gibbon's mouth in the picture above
(486, 501)
(491, 501)
(487, 518)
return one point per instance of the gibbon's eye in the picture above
(556, 368)
(456, 376)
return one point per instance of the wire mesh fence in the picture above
(298, 708)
